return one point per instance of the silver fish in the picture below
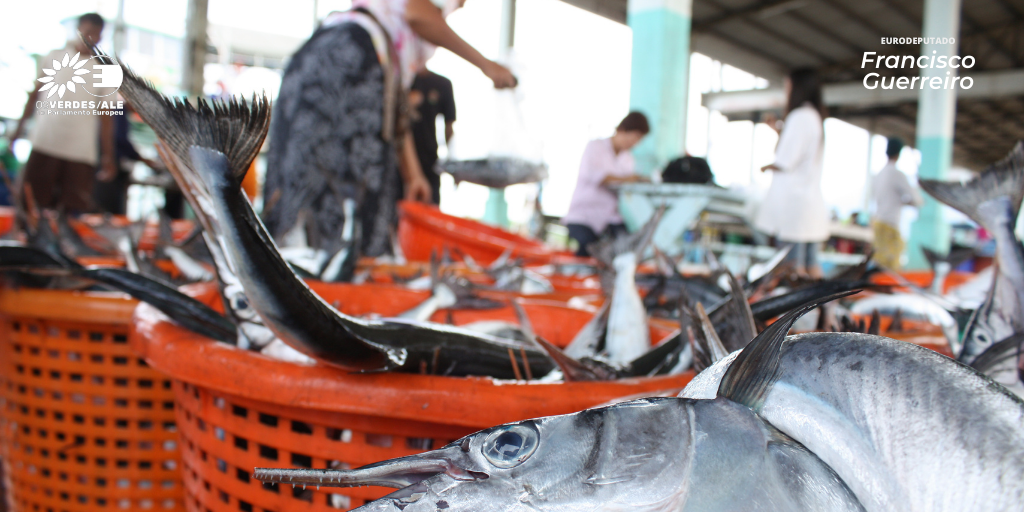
(442, 298)
(588, 339)
(913, 306)
(628, 336)
(821, 421)
(494, 172)
(993, 200)
(189, 267)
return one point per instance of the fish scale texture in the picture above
(907, 429)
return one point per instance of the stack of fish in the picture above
(818, 421)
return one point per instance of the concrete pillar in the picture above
(659, 77)
(496, 209)
(195, 48)
(936, 113)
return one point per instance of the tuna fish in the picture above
(993, 200)
(495, 172)
(821, 421)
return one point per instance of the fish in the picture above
(670, 357)
(302, 319)
(819, 421)
(943, 265)
(494, 172)
(589, 340)
(442, 298)
(911, 306)
(189, 267)
(72, 243)
(705, 344)
(342, 266)
(771, 307)
(1000, 363)
(733, 319)
(234, 127)
(627, 337)
(217, 141)
(904, 427)
(182, 309)
(993, 200)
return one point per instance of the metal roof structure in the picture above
(771, 37)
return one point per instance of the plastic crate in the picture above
(423, 228)
(238, 410)
(85, 425)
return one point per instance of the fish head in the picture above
(611, 458)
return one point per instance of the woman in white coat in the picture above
(794, 209)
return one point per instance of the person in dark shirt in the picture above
(110, 193)
(431, 95)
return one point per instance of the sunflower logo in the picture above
(66, 64)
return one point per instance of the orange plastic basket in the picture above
(423, 228)
(6, 219)
(923, 278)
(238, 410)
(85, 425)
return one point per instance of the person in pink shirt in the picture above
(594, 209)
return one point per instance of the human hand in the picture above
(500, 75)
(418, 189)
(108, 171)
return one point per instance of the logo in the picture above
(63, 75)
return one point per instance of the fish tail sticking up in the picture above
(1003, 179)
(234, 127)
(755, 370)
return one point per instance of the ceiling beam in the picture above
(729, 15)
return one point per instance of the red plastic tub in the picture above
(423, 228)
(238, 410)
(555, 321)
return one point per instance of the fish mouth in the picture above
(398, 473)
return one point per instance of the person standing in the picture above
(594, 208)
(339, 128)
(431, 96)
(111, 196)
(891, 191)
(794, 209)
(62, 165)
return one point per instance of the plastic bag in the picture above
(515, 154)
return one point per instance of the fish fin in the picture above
(755, 370)
(876, 323)
(607, 248)
(235, 127)
(583, 345)
(524, 321)
(737, 313)
(707, 346)
(897, 321)
(1003, 179)
(932, 257)
(997, 352)
(659, 359)
(572, 369)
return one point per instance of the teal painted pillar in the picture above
(496, 210)
(659, 77)
(936, 115)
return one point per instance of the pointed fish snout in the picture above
(397, 473)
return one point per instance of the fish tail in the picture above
(1003, 179)
(235, 127)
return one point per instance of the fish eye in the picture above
(510, 446)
